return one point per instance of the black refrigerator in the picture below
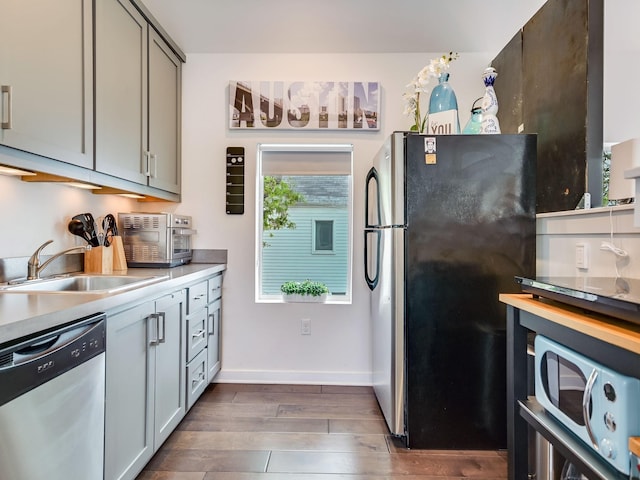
(450, 222)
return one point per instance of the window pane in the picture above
(324, 235)
(288, 244)
(304, 217)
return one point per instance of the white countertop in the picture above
(23, 314)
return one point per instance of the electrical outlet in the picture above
(305, 326)
(582, 256)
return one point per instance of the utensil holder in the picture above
(98, 260)
(119, 259)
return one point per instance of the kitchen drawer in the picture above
(197, 297)
(196, 378)
(215, 287)
(197, 328)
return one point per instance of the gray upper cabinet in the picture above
(165, 87)
(46, 79)
(121, 90)
(138, 94)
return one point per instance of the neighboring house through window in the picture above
(304, 218)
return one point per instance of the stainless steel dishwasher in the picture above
(52, 390)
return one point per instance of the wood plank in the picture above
(255, 387)
(360, 401)
(329, 411)
(209, 461)
(224, 441)
(372, 464)
(234, 410)
(218, 423)
(348, 425)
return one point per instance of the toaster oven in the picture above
(156, 239)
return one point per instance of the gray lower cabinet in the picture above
(46, 79)
(214, 309)
(145, 382)
(138, 99)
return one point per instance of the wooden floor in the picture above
(299, 432)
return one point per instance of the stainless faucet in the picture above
(33, 266)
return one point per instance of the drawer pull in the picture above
(199, 333)
(198, 379)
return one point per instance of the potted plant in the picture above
(307, 291)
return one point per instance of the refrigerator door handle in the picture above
(372, 176)
(372, 283)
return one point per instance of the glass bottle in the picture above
(474, 125)
(443, 109)
(490, 122)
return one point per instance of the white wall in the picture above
(621, 70)
(33, 213)
(558, 234)
(262, 342)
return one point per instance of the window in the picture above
(304, 218)
(323, 236)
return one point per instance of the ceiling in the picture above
(341, 26)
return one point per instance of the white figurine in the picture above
(490, 122)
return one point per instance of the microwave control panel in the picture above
(235, 181)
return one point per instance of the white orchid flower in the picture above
(420, 84)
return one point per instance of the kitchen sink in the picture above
(82, 283)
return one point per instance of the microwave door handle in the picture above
(586, 398)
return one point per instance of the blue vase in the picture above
(474, 125)
(443, 108)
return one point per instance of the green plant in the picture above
(308, 287)
(279, 195)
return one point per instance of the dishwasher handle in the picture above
(21, 372)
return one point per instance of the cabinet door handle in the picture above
(162, 320)
(153, 165)
(147, 168)
(212, 323)
(155, 339)
(6, 90)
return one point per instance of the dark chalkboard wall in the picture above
(550, 83)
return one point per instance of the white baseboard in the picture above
(294, 377)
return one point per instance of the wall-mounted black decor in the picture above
(550, 80)
(235, 180)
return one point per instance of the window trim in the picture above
(292, 149)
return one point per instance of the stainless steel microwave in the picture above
(597, 404)
(156, 239)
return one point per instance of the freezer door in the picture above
(387, 314)
(389, 167)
